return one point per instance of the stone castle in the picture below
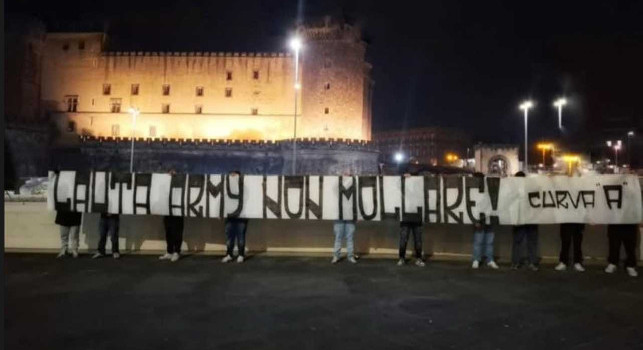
(88, 90)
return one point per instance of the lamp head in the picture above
(295, 43)
(526, 105)
(560, 102)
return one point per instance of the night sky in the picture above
(443, 63)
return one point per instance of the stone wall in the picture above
(220, 156)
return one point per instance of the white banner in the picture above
(602, 199)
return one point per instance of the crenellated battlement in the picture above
(195, 54)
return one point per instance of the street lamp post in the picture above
(525, 107)
(630, 135)
(544, 147)
(559, 103)
(295, 45)
(617, 147)
(134, 112)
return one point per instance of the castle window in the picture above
(152, 131)
(107, 89)
(72, 103)
(254, 111)
(198, 109)
(166, 89)
(65, 46)
(199, 90)
(116, 130)
(228, 75)
(255, 75)
(81, 45)
(228, 92)
(115, 104)
(165, 108)
(134, 89)
(327, 86)
(71, 126)
(326, 110)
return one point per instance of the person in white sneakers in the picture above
(411, 225)
(569, 232)
(483, 237)
(235, 230)
(344, 229)
(69, 227)
(173, 237)
(625, 234)
(108, 224)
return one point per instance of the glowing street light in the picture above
(399, 157)
(450, 157)
(295, 45)
(525, 106)
(544, 147)
(134, 112)
(630, 135)
(559, 103)
(571, 159)
(617, 147)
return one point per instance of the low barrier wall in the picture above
(29, 226)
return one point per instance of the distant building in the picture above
(88, 89)
(431, 145)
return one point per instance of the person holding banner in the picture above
(625, 234)
(173, 235)
(410, 226)
(483, 237)
(344, 229)
(108, 224)
(569, 232)
(69, 227)
(235, 229)
(529, 235)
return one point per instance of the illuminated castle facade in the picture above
(209, 95)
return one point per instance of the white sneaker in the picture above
(420, 263)
(240, 259)
(611, 268)
(116, 255)
(632, 272)
(475, 264)
(352, 260)
(401, 262)
(74, 253)
(560, 267)
(175, 257)
(226, 259)
(578, 267)
(335, 260)
(98, 255)
(166, 256)
(493, 265)
(62, 253)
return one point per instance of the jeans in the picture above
(108, 224)
(625, 234)
(69, 238)
(528, 233)
(483, 240)
(173, 233)
(344, 229)
(405, 231)
(235, 229)
(569, 232)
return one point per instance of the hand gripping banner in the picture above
(599, 199)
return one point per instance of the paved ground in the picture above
(139, 302)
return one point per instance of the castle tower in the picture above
(336, 85)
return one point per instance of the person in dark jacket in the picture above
(173, 235)
(108, 224)
(235, 230)
(569, 232)
(528, 233)
(408, 227)
(69, 229)
(622, 234)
